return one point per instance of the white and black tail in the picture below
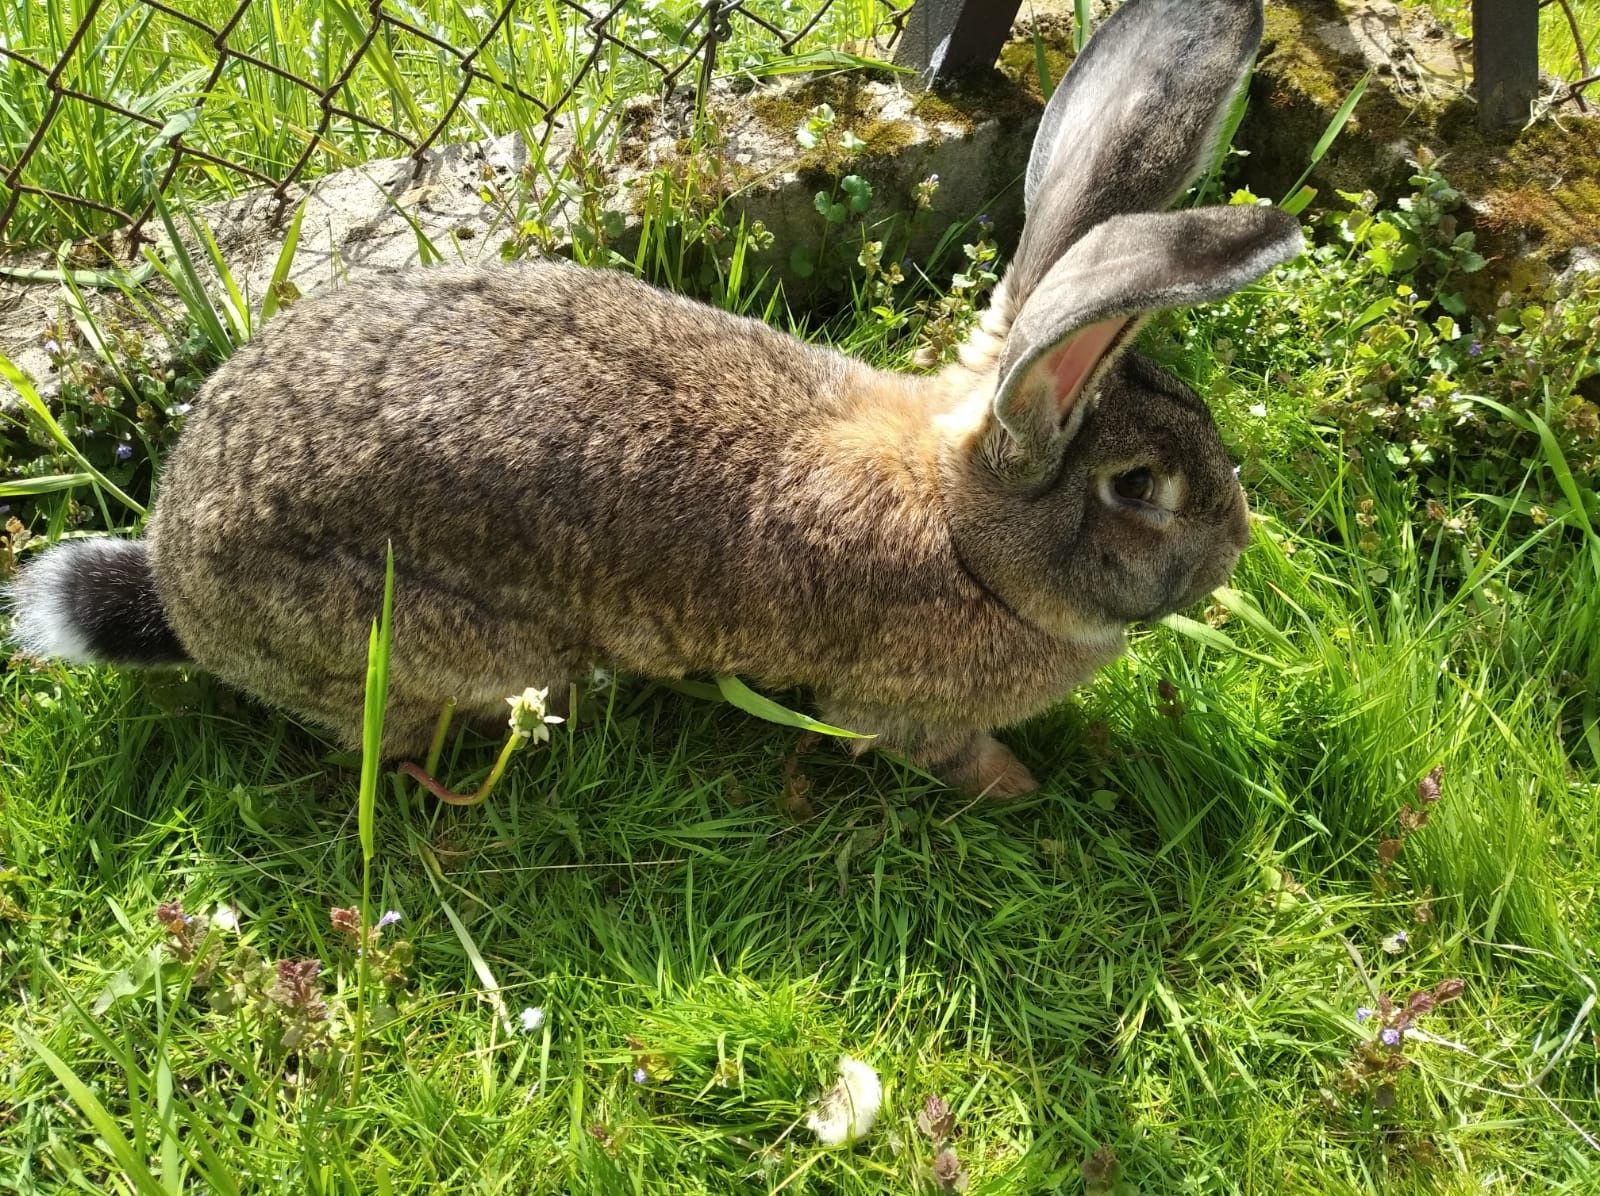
(93, 601)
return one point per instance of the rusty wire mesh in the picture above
(384, 25)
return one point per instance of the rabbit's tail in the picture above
(90, 601)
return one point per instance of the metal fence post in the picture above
(943, 36)
(1505, 53)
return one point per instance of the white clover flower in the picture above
(226, 918)
(533, 1019)
(846, 1112)
(528, 717)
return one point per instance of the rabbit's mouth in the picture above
(1193, 588)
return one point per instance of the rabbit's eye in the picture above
(1137, 485)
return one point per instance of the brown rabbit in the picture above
(575, 468)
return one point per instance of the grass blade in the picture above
(1041, 68)
(185, 278)
(1204, 633)
(1237, 107)
(1331, 133)
(234, 308)
(278, 284)
(28, 487)
(377, 698)
(474, 956)
(741, 695)
(96, 1114)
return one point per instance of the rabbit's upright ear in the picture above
(1088, 306)
(1133, 123)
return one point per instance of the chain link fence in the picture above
(263, 110)
(108, 104)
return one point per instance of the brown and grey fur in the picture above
(575, 468)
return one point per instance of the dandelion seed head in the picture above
(847, 1111)
(532, 1019)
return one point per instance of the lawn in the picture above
(1307, 902)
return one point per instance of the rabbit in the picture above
(575, 468)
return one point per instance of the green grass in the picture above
(1161, 955)
(156, 65)
(1153, 955)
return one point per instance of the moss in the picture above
(945, 110)
(854, 109)
(884, 137)
(1536, 192)
(785, 110)
(1019, 60)
(1293, 58)
(976, 96)
(1544, 183)
(1009, 92)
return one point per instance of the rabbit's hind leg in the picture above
(984, 767)
(972, 762)
(292, 629)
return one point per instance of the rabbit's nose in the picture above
(1241, 526)
(1239, 520)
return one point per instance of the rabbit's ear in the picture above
(1134, 121)
(1084, 313)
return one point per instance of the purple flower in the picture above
(124, 451)
(1400, 936)
(389, 918)
(1389, 1036)
(640, 1075)
(985, 221)
(1363, 1013)
(1475, 349)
